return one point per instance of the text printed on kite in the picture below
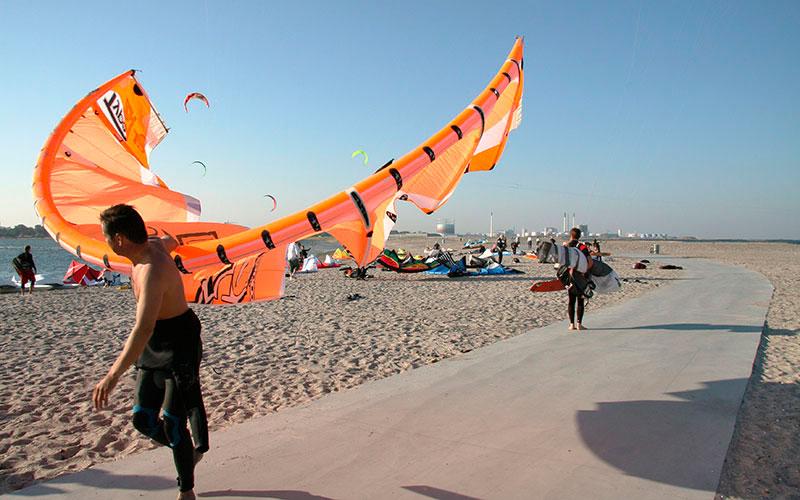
(99, 155)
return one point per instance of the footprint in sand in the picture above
(65, 453)
(104, 441)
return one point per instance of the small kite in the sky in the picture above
(360, 152)
(202, 165)
(195, 95)
(274, 201)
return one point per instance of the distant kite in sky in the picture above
(195, 95)
(274, 201)
(202, 165)
(360, 152)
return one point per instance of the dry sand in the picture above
(262, 357)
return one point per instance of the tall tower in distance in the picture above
(573, 219)
(564, 223)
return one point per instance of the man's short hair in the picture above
(125, 220)
(27, 248)
(575, 233)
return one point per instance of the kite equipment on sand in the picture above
(601, 278)
(193, 95)
(99, 155)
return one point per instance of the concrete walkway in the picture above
(643, 405)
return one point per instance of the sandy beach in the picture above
(260, 358)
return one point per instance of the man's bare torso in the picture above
(164, 277)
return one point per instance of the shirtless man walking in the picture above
(165, 345)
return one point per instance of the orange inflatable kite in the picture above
(99, 155)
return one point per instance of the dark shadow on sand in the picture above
(100, 479)
(671, 442)
(281, 494)
(628, 279)
(478, 280)
(437, 493)
(691, 327)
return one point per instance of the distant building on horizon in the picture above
(446, 226)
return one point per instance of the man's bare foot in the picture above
(186, 495)
(571, 326)
(581, 327)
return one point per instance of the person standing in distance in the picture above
(26, 268)
(164, 343)
(576, 296)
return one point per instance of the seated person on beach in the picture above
(26, 268)
(165, 344)
(434, 252)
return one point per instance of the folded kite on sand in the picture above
(99, 155)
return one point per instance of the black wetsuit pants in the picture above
(156, 389)
(575, 296)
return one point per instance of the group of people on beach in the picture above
(165, 344)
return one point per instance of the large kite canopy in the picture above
(99, 155)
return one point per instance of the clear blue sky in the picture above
(677, 117)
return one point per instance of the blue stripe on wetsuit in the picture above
(175, 430)
(152, 418)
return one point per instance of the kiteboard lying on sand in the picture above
(548, 286)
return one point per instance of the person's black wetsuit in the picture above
(169, 379)
(575, 296)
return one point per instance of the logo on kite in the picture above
(274, 201)
(112, 108)
(195, 95)
(360, 152)
(202, 165)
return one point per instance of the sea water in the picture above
(51, 260)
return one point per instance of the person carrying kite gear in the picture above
(576, 263)
(26, 268)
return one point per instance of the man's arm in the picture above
(151, 293)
